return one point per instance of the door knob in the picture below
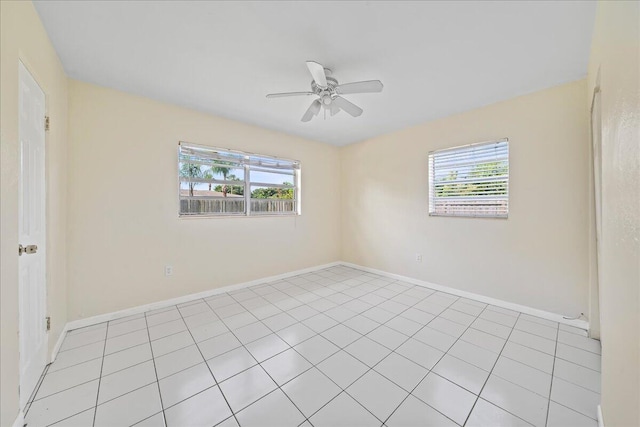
(29, 249)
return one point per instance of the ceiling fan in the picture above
(328, 91)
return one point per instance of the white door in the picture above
(31, 231)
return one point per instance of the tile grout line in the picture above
(155, 370)
(553, 368)
(66, 389)
(32, 398)
(435, 364)
(290, 347)
(489, 376)
(574, 384)
(548, 339)
(526, 364)
(84, 361)
(428, 370)
(93, 379)
(582, 349)
(147, 418)
(83, 345)
(104, 349)
(554, 358)
(307, 419)
(459, 338)
(365, 335)
(302, 303)
(278, 387)
(210, 371)
(576, 411)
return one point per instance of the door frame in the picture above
(22, 398)
(595, 167)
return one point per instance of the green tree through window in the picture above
(482, 170)
(273, 193)
(190, 170)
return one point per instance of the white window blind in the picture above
(216, 182)
(471, 180)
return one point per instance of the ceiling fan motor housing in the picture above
(331, 86)
(326, 94)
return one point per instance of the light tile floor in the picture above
(337, 347)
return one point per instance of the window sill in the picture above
(189, 217)
(469, 216)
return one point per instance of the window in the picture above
(216, 182)
(472, 180)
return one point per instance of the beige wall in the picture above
(119, 201)
(123, 207)
(23, 37)
(537, 257)
(615, 57)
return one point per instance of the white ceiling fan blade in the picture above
(282, 95)
(312, 111)
(333, 109)
(347, 106)
(369, 86)
(317, 72)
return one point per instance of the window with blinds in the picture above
(217, 182)
(470, 181)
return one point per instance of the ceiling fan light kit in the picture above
(328, 91)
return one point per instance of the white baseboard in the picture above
(88, 321)
(582, 324)
(19, 422)
(56, 348)
(81, 323)
(600, 418)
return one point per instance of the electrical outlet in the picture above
(418, 257)
(168, 270)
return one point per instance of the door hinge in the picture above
(48, 323)
(46, 122)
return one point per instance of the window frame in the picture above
(246, 183)
(432, 172)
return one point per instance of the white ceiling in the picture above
(434, 58)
